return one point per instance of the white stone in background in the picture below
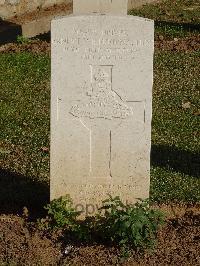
(2, 2)
(118, 7)
(13, 2)
(136, 3)
(101, 108)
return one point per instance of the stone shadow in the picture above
(17, 191)
(191, 27)
(44, 37)
(182, 161)
(9, 31)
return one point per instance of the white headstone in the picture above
(101, 108)
(118, 7)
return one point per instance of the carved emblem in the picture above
(102, 101)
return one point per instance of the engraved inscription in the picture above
(108, 44)
(102, 100)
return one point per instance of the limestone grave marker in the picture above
(117, 7)
(101, 108)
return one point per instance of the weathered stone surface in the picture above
(36, 27)
(136, 3)
(118, 7)
(2, 2)
(21, 7)
(10, 8)
(102, 74)
(39, 26)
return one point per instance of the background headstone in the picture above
(102, 75)
(118, 7)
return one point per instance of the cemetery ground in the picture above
(175, 165)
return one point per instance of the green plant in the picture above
(61, 213)
(133, 225)
(128, 226)
(22, 39)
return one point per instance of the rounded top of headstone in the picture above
(108, 16)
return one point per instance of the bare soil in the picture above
(23, 243)
(35, 46)
(189, 44)
(41, 13)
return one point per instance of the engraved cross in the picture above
(101, 112)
